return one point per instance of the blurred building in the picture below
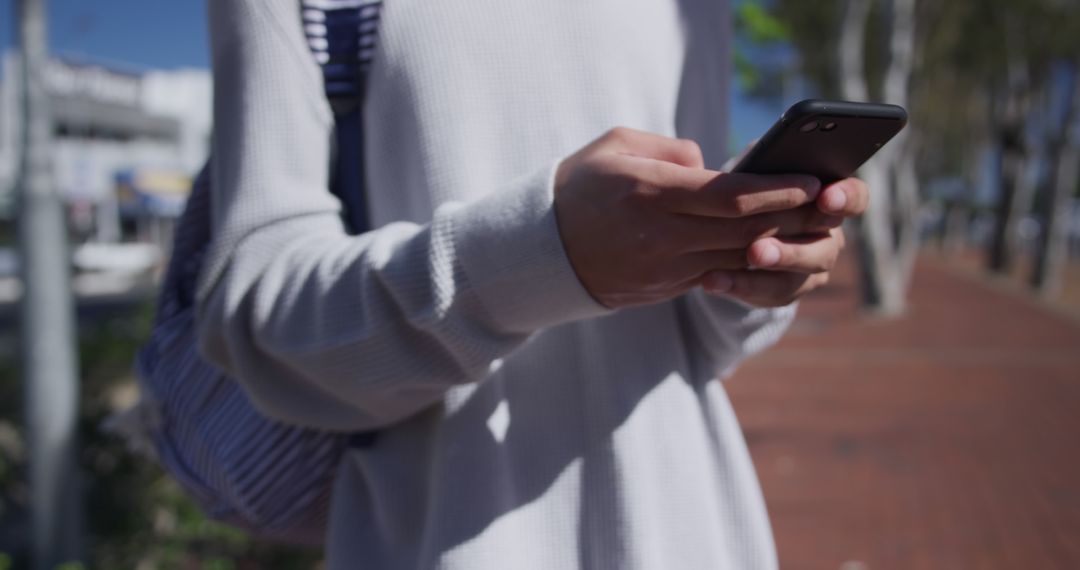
(127, 142)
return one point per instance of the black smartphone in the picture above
(826, 139)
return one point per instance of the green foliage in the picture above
(812, 28)
(756, 30)
(137, 516)
(965, 51)
(759, 25)
(219, 564)
(745, 72)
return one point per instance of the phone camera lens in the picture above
(828, 127)
(808, 127)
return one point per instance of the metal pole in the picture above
(48, 339)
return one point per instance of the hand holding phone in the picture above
(829, 140)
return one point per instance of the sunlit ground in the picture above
(973, 262)
(946, 439)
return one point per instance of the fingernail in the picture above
(836, 200)
(718, 282)
(768, 255)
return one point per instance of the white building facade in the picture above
(115, 128)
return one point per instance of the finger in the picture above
(846, 198)
(651, 295)
(702, 233)
(763, 288)
(641, 144)
(800, 255)
(737, 195)
(694, 265)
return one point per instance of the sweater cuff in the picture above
(509, 248)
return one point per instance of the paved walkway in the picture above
(946, 440)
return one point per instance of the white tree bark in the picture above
(852, 43)
(887, 255)
(1052, 255)
(901, 52)
(904, 149)
(907, 214)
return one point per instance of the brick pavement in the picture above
(946, 440)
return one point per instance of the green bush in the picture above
(136, 516)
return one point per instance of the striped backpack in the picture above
(242, 468)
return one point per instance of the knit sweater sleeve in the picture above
(724, 332)
(346, 332)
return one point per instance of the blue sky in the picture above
(172, 33)
(146, 33)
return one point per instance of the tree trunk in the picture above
(901, 53)
(852, 45)
(1002, 256)
(907, 213)
(1014, 107)
(1026, 189)
(1052, 254)
(887, 232)
(906, 181)
(958, 214)
(882, 281)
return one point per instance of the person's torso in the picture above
(595, 445)
(464, 96)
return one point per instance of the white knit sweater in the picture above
(523, 425)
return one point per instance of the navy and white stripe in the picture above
(243, 468)
(342, 37)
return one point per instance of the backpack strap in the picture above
(272, 478)
(342, 38)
